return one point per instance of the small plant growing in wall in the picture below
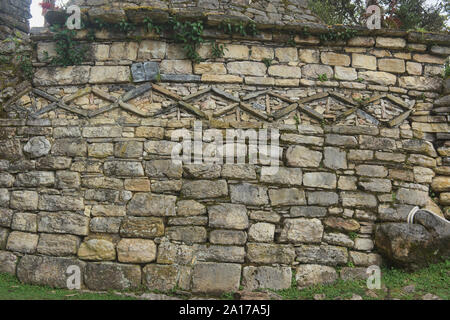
(68, 51)
(190, 34)
(267, 62)
(151, 27)
(323, 77)
(218, 50)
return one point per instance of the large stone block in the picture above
(227, 237)
(312, 274)
(282, 175)
(261, 232)
(212, 253)
(6, 216)
(8, 262)
(299, 156)
(123, 168)
(163, 169)
(48, 271)
(23, 221)
(147, 204)
(22, 242)
(160, 277)
(136, 251)
(323, 254)
(216, 278)
(247, 68)
(285, 71)
(109, 74)
(268, 253)
(63, 222)
(335, 59)
(287, 197)
(36, 179)
(128, 149)
(302, 230)
(139, 227)
(60, 203)
(320, 180)
(228, 216)
(58, 245)
(97, 250)
(204, 189)
(249, 194)
(112, 276)
(187, 234)
(275, 278)
(24, 200)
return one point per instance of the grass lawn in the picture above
(432, 280)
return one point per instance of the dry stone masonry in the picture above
(86, 177)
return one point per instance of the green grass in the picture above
(12, 289)
(435, 280)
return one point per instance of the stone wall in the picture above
(86, 177)
(14, 43)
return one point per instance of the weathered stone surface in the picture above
(420, 83)
(267, 253)
(23, 221)
(128, 149)
(190, 208)
(97, 250)
(365, 259)
(8, 262)
(275, 278)
(6, 180)
(302, 231)
(410, 246)
(322, 198)
(59, 203)
(239, 171)
(285, 71)
(112, 276)
(323, 254)
(378, 77)
(204, 189)
(37, 147)
(171, 253)
(390, 43)
(261, 232)
(299, 156)
(102, 183)
(123, 168)
(66, 222)
(24, 200)
(358, 199)
(109, 74)
(342, 224)
(313, 71)
(160, 277)
(312, 274)
(100, 150)
(343, 73)
(202, 171)
(335, 158)
(364, 244)
(215, 278)
(108, 210)
(308, 212)
(392, 65)
(147, 204)
(228, 216)
(335, 59)
(441, 183)
(105, 225)
(411, 196)
(228, 237)
(212, 253)
(136, 251)
(191, 234)
(282, 175)
(351, 274)
(163, 169)
(58, 245)
(287, 197)
(309, 55)
(376, 185)
(364, 61)
(4, 233)
(47, 271)
(320, 180)
(57, 76)
(247, 68)
(22, 242)
(69, 147)
(338, 239)
(249, 194)
(6, 216)
(36, 179)
(142, 227)
(340, 140)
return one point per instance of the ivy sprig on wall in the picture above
(335, 35)
(190, 34)
(69, 52)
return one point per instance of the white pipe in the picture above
(412, 214)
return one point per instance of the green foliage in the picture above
(267, 62)
(323, 77)
(230, 28)
(218, 50)
(446, 69)
(435, 280)
(396, 14)
(190, 35)
(22, 61)
(68, 51)
(151, 27)
(126, 27)
(338, 35)
(353, 235)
